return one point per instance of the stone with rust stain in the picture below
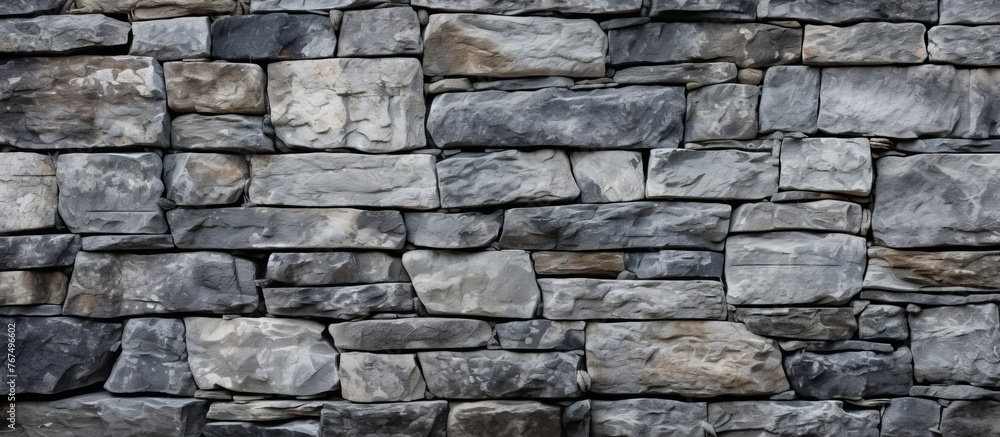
(601, 264)
(952, 271)
(193, 179)
(215, 87)
(33, 287)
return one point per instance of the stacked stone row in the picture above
(464, 218)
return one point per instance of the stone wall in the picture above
(518, 218)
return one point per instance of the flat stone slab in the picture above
(540, 335)
(295, 428)
(469, 419)
(380, 32)
(256, 37)
(33, 287)
(711, 174)
(848, 11)
(172, 39)
(964, 271)
(948, 145)
(221, 133)
(647, 416)
(346, 302)
(55, 354)
(800, 323)
(969, 418)
(115, 193)
(955, 392)
(604, 264)
(265, 410)
(583, 299)
(331, 268)
(101, 413)
(428, 418)
(969, 12)
(153, 359)
(38, 251)
(27, 7)
(97, 243)
(748, 45)
(850, 375)
(194, 87)
(792, 418)
(820, 215)
(28, 191)
(701, 73)
(675, 264)
(864, 44)
(532, 6)
(833, 165)
(910, 417)
(955, 345)
(924, 299)
(411, 334)
(964, 45)
(146, 10)
(511, 176)
(366, 377)
(463, 230)
(58, 34)
(500, 374)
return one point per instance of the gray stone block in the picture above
(193, 179)
(55, 34)
(344, 419)
(711, 174)
(101, 413)
(215, 87)
(511, 176)
(848, 11)
(800, 323)
(789, 100)
(115, 193)
(609, 175)
(820, 215)
(911, 417)
(33, 287)
(541, 335)
(955, 345)
(584, 299)
(323, 268)
(964, 45)
(380, 32)
(411, 334)
(827, 164)
(864, 44)
(500, 374)
(508, 418)
(38, 251)
(346, 302)
(279, 36)
(883, 322)
(28, 191)
(701, 73)
(532, 6)
(172, 39)
(850, 375)
(675, 264)
(792, 418)
(366, 377)
(221, 133)
(153, 359)
(647, 417)
(463, 230)
(722, 112)
(749, 45)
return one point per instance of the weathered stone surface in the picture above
(347, 302)
(977, 110)
(964, 45)
(113, 193)
(394, 181)
(154, 9)
(28, 7)
(604, 264)
(957, 392)
(649, 417)
(500, 374)
(781, 268)
(462, 230)
(827, 164)
(491, 284)
(495, 46)
(910, 417)
(608, 175)
(583, 299)
(834, 346)
(153, 359)
(525, 83)
(221, 133)
(510, 176)
(100, 413)
(410, 334)
(32, 287)
(617, 226)
(969, 12)
(760, 144)
(749, 45)
(371, 105)
(324, 268)
(214, 87)
(970, 418)
(127, 242)
(956, 344)
(172, 39)
(848, 11)
(295, 428)
(123, 284)
(380, 32)
(450, 85)
(28, 191)
(204, 178)
(257, 37)
(541, 335)
(32, 310)
(51, 103)
(366, 377)
(722, 112)
(58, 34)
(821, 215)
(936, 299)
(711, 9)
(385, 420)
(225, 353)
(550, 117)
(687, 358)
(56, 354)
(507, 418)
(675, 264)
(789, 100)
(701, 73)
(791, 418)
(850, 375)
(38, 251)
(281, 228)
(265, 410)
(948, 145)
(532, 6)
(864, 44)
(966, 271)
(917, 201)
(316, 5)
(711, 174)
(801, 323)
(883, 322)
(901, 102)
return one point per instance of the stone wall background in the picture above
(478, 217)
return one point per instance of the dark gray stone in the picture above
(979, 103)
(647, 417)
(500, 374)
(968, 418)
(970, 12)
(31, 287)
(722, 112)
(911, 417)
(503, 418)
(317, 5)
(194, 87)
(38, 251)
(849, 10)
(700, 73)
(760, 144)
(127, 242)
(257, 37)
(323, 268)
(204, 178)
(348, 302)
(295, 428)
(153, 359)
(380, 32)
(172, 39)
(956, 392)
(705, 10)
(800, 323)
(511, 176)
(28, 191)
(464, 230)
(221, 133)
(711, 174)
(820, 215)
(964, 45)
(883, 322)
(114, 193)
(850, 375)
(261, 410)
(749, 45)
(864, 44)
(524, 84)
(101, 414)
(541, 335)
(32, 310)
(791, 418)
(576, 419)
(410, 334)
(55, 34)
(599, 264)
(789, 101)
(532, 6)
(345, 419)
(29, 7)
(835, 346)
(584, 299)
(956, 344)
(675, 264)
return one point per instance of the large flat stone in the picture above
(204, 178)
(500, 374)
(280, 36)
(910, 417)
(583, 299)
(221, 133)
(215, 87)
(848, 11)
(789, 100)
(800, 323)
(850, 375)
(826, 418)
(347, 302)
(647, 417)
(540, 335)
(552, 116)
(510, 176)
(463, 230)
(55, 354)
(38, 251)
(172, 39)
(380, 32)
(532, 6)
(969, 12)
(106, 243)
(295, 428)
(101, 413)
(53, 103)
(675, 264)
(154, 9)
(711, 174)
(686, 358)
(153, 359)
(55, 34)
(507, 418)
(956, 345)
(977, 111)
(115, 193)
(366, 377)
(749, 45)
(265, 410)
(345, 419)
(864, 44)
(964, 45)
(725, 111)
(33, 287)
(821, 215)
(410, 334)
(322, 268)
(28, 191)
(965, 271)
(834, 165)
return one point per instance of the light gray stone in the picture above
(221, 133)
(33, 287)
(226, 353)
(461, 230)
(323, 268)
(864, 44)
(295, 428)
(204, 178)
(686, 358)
(603, 264)
(450, 85)
(970, 418)
(127, 242)
(820, 215)
(936, 299)
(956, 344)
(617, 226)
(532, 6)
(964, 45)
(114, 193)
(701, 73)
(782, 268)
(500, 374)
(970, 12)
(749, 45)
(583, 299)
(834, 346)
(848, 11)
(48, 355)
(345, 419)
(791, 418)
(609, 175)
(675, 264)
(101, 413)
(215, 87)
(977, 110)
(789, 100)
(256, 37)
(491, 284)
(883, 322)
(722, 112)
(827, 164)
(38, 251)
(541, 335)
(506, 418)
(59, 34)
(711, 174)
(966, 271)
(153, 359)
(316, 5)
(410, 334)
(380, 32)
(370, 105)
(347, 302)
(525, 84)
(28, 191)
(123, 284)
(286, 228)
(759, 144)
(649, 417)
(948, 145)
(551, 117)
(366, 377)
(800, 323)
(49, 103)
(155, 9)
(172, 39)
(511, 176)
(910, 417)
(850, 375)
(265, 410)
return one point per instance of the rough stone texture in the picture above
(957, 392)
(711, 9)
(100, 413)
(583, 299)
(525, 84)
(462, 230)
(617, 226)
(916, 201)
(883, 322)
(749, 45)
(686, 358)
(847, 11)
(675, 264)
(56, 354)
(969, 12)
(800, 323)
(221, 133)
(349, 302)
(603, 264)
(172, 39)
(711, 174)
(281, 228)
(257, 37)
(834, 346)
(335, 268)
(399, 181)
(820, 215)
(701, 73)
(32, 287)
(541, 335)
(821, 418)
(647, 417)
(368, 377)
(902, 102)
(154, 9)
(316, 5)
(27, 7)
(487, 45)
(224, 353)
(789, 100)
(910, 417)
(956, 345)
(115, 193)
(511, 176)
(850, 375)
(532, 6)
(970, 418)
(967, 271)
(608, 176)
(127, 242)
(964, 45)
(491, 284)
(864, 44)
(411, 334)
(28, 191)
(936, 299)
(214, 87)
(780, 268)
(295, 428)
(385, 420)
(948, 145)
(380, 32)
(79, 102)
(204, 178)
(550, 117)
(264, 410)
(371, 105)
(722, 112)
(827, 164)
(54, 34)
(153, 359)
(38, 251)
(500, 374)
(977, 113)
(503, 418)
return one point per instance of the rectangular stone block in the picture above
(970, 12)
(864, 44)
(347, 302)
(411, 333)
(789, 100)
(834, 165)
(708, 10)
(647, 417)
(322, 268)
(32, 287)
(821, 215)
(38, 251)
(155, 9)
(195, 87)
(28, 191)
(510, 176)
(847, 11)
(172, 39)
(792, 418)
(606, 264)
(462, 230)
(964, 45)
(956, 344)
(222, 133)
(532, 6)
(380, 32)
(540, 335)
(256, 37)
(29, 7)
(115, 193)
(204, 178)
(585, 299)
(500, 374)
(427, 418)
(749, 45)
(700, 72)
(711, 174)
(965, 271)
(606, 176)
(55, 34)
(675, 264)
